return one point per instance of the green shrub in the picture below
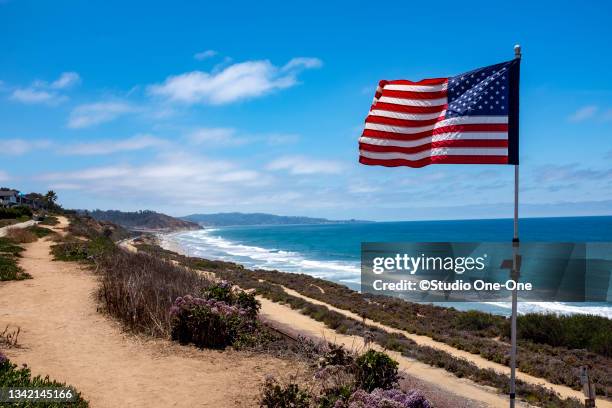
(15, 212)
(11, 376)
(376, 370)
(40, 232)
(83, 250)
(50, 220)
(9, 247)
(276, 395)
(336, 355)
(209, 323)
(593, 333)
(9, 270)
(475, 321)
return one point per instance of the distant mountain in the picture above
(143, 220)
(236, 218)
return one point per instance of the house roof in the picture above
(8, 193)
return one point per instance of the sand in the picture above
(64, 336)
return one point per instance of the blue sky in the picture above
(257, 106)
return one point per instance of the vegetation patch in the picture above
(17, 211)
(9, 267)
(12, 376)
(21, 235)
(50, 220)
(345, 380)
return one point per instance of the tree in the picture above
(51, 197)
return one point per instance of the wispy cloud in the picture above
(66, 80)
(200, 56)
(216, 137)
(4, 176)
(241, 81)
(302, 165)
(591, 112)
(138, 142)
(42, 92)
(96, 113)
(175, 179)
(16, 147)
(583, 113)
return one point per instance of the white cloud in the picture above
(4, 176)
(583, 113)
(137, 142)
(301, 165)
(276, 139)
(303, 63)
(15, 147)
(245, 80)
(33, 96)
(66, 80)
(173, 179)
(204, 55)
(43, 92)
(216, 136)
(95, 113)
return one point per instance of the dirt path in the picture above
(25, 224)
(444, 381)
(479, 361)
(63, 336)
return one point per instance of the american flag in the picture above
(471, 118)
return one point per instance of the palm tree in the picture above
(51, 198)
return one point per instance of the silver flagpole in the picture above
(515, 274)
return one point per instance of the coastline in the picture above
(169, 241)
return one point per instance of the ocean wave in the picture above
(205, 243)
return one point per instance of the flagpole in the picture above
(515, 274)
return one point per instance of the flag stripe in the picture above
(446, 129)
(415, 95)
(435, 138)
(475, 143)
(435, 160)
(432, 123)
(445, 151)
(415, 88)
(407, 116)
(409, 109)
(413, 102)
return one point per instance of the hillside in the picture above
(236, 218)
(143, 220)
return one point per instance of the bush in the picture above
(50, 220)
(336, 355)
(21, 235)
(91, 250)
(15, 212)
(393, 398)
(208, 323)
(376, 370)
(276, 395)
(11, 376)
(140, 289)
(593, 333)
(9, 270)
(40, 232)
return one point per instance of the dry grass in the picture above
(140, 289)
(21, 235)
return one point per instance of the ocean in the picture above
(332, 251)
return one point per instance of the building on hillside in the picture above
(9, 197)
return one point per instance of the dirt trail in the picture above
(479, 361)
(65, 337)
(445, 381)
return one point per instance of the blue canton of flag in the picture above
(483, 91)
